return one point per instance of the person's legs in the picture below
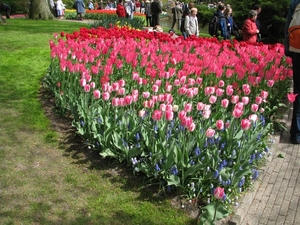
(295, 126)
(179, 23)
(2, 19)
(173, 23)
(8, 14)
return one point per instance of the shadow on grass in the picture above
(88, 159)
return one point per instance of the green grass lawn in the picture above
(47, 177)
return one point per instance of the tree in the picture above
(40, 9)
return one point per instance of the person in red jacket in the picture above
(121, 9)
(250, 30)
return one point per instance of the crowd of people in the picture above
(186, 16)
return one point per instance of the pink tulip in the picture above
(146, 94)
(209, 90)
(291, 97)
(115, 102)
(169, 115)
(154, 98)
(188, 107)
(221, 83)
(227, 125)
(162, 107)
(187, 121)
(219, 92)
(219, 193)
(140, 81)
(169, 107)
(122, 83)
(190, 93)
(200, 106)
(177, 82)
(122, 102)
(254, 107)
(270, 83)
(261, 110)
(121, 91)
(157, 82)
(168, 98)
(105, 96)
(210, 132)
(182, 91)
(110, 89)
(253, 117)
(156, 115)
(245, 124)
(237, 113)
(191, 127)
(212, 99)
(87, 88)
(128, 99)
(168, 88)
(182, 114)
(155, 88)
(115, 86)
(206, 107)
(191, 82)
(82, 82)
(258, 100)
(264, 94)
(229, 90)
(199, 80)
(135, 76)
(96, 94)
(234, 99)
(245, 100)
(142, 113)
(196, 90)
(93, 85)
(225, 103)
(206, 114)
(246, 89)
(182, 79)
(239, 106)
(220, 124)
(105, 86)
(161, 97)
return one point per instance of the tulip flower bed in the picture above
(192, 115)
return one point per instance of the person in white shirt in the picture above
(191, 23)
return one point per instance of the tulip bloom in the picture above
(146, 94)
(291, 97)
(246, 89)
(96, 94)
(219, 193)
(254, 107)
(225, 103)
(212, 99)
(142, 113)
(210, 132)
(245, 124)
(188, 107)
(200, 106)
(169, 115)
(264, 94)
(156, 115)
(220, 124)
(105, 96)
(237, 113)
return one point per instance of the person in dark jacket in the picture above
(5, 8)
(223, 23)
(80, 9)
(155, 7)
(295, 125)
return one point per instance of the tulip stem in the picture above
(215, 211)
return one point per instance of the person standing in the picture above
(186, 11)
(148, 14)
(295, 124)
(249, 29)
(5, 8)
(223, 22)
(177, 15)
(191, 23)
(91, 5)
(121, 9)
(80, 9)
(156, 11)
(59, 9)
(257, 8)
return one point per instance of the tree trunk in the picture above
(39, 9)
